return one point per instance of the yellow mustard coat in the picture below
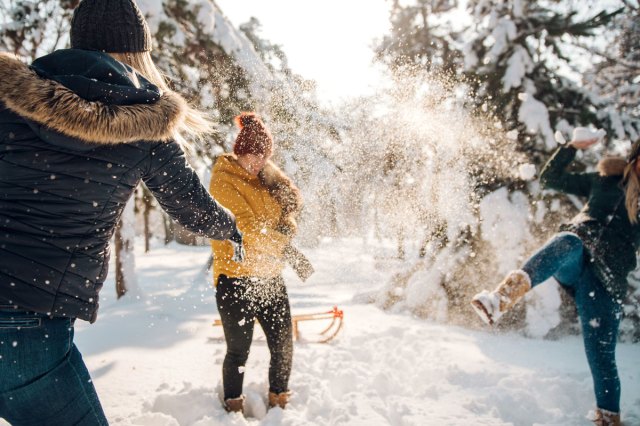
(257, 214)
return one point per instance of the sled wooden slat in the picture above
(329, 333)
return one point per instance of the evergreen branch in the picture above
(635, 66)
(558, 25)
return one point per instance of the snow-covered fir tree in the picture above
(519, 66)
(615, 77)
(31, 28)
(419, 37)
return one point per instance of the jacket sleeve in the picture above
(555, 176)
(181, 194)
(258, 238)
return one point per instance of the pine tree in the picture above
(271, 54)
(31, 28)
(418, 37)
(187, 50)
(615, 79)
(513, 55)
(517, 62)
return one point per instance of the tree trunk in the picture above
(124, 245)
(147, 207)
(169, 234)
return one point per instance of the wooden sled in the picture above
(326, 335)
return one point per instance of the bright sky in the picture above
(328, 41)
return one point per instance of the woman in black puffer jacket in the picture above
(591, 257)
(79, 130)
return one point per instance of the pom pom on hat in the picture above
(254, 138)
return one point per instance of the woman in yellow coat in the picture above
(265, 203)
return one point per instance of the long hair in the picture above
(195, 124)
(632, 190)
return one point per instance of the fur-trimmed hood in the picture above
(286, 194)
(72, 99)
(282, 188)
(612, 166)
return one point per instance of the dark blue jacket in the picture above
(78, 132)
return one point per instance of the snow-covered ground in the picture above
(156, 360)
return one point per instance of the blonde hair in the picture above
(632, 190)
(195, 124)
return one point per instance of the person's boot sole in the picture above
(481, 311)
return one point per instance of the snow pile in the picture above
(527, 171)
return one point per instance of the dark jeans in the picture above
(43, 379)
(240, 302)
(563, 257)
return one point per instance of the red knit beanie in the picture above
(254, 138)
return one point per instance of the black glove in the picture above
(238, 248)
(236, 237)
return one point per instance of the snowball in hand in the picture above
(527, 171)
(559, 137)
(585, 134)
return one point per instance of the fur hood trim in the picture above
(51, 104)
(282, 188)
(612, 166)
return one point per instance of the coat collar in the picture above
(228, 163)
(612, 166)
(51, 104)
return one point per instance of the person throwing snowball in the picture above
(591, 256)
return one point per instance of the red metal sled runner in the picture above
(327, 334)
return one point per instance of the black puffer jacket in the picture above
(78, 132)
(603, 223)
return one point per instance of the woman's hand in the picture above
(584, 144)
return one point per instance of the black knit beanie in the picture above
(114, 26)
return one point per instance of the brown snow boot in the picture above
(606, 418)
(279, 399)
(234, 405)
(490, 306)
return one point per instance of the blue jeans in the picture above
(44, 380)
(564, 258)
